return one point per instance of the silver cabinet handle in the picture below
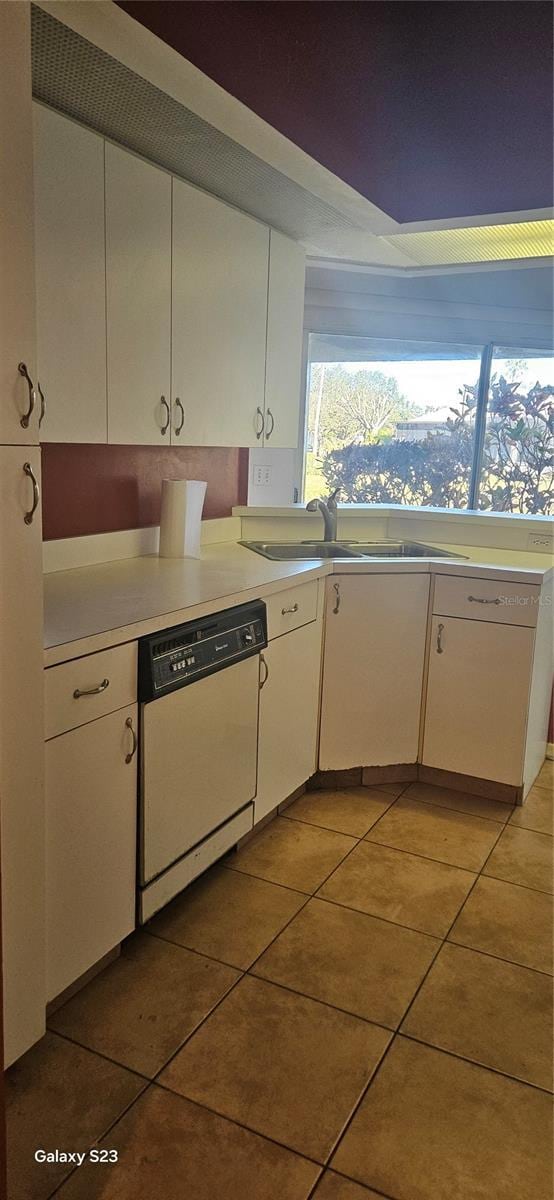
(91, 691)
(439, 639)
(270, 431)
(22, 368)
(179, 428)
(165, 427)
(260, 429)
(336, 589)
(481, 600)
(28, 518)
(263, 663)
(129, 725)
(42, 405)
(292, 609)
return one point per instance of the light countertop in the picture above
(93, 607)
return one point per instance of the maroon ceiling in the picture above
(438, 109)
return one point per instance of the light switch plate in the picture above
(261, 475)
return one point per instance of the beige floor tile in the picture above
(491, 1011)
(477, 806)
(537, 812)
(508, 921)
(545, 776)
(295, 855)
(392, 789)
(358, 963)
(433, 1127)
(336, 1187)
(228, 915)
(525, 857)
(440, 833)
(59, 1096)
(352, 811)
(170, 1149)
(400, 887)
(283, 1065)
(143, 1006)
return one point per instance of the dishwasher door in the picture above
(198, 762)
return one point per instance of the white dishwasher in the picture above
(198, 693)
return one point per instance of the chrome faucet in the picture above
(328, 510)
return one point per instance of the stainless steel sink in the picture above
(288, 551)
(284, 551)
(390, 549)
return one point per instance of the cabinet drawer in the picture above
(292, 608)
(486, 600)
(105, 681)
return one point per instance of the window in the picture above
(425, 423)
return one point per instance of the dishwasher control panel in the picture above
(175, 657)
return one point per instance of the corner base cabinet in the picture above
(373, 670)
(91, 803)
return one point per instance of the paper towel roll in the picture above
(181, 516)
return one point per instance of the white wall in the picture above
(511, 307)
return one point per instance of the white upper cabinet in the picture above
(285, 316)
(138, 291)
(220, 279)
(70, 279)
(18, 398)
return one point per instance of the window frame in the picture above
(481, 415)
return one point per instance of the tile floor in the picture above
(356, 1005)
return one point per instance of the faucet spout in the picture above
(328, 510)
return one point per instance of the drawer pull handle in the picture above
(129, 725)
(263, 663)
(28, 518)
(22, 368)
(270, 431)
(292, 609)
(42, 405)
(91, 691)
(165, 427)
(336, 589)
(440, 649)
(179, 428)
(481, 600)
(260, 428)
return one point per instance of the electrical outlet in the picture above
(543, 543)
(261, 475)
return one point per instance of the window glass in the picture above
(391, 421)
(517, 465)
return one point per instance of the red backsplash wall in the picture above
(96, 489)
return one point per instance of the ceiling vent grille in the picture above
(77, 78)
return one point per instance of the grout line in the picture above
(100, 1138)
(221, 962)
(512, 962)
(114, 1062)
(411, 1037)
(463, 811)
(426, 857)
(516, 883)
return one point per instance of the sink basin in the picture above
(285, 551)
(400, 550)
(303, 551)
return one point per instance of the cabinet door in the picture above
(70, 278)
(373, 670)
(477, 698)
(17, 290)
(21, 752)
(285, 320)
(138, 279)
(219, 314)
(289, 707)
(91, 802)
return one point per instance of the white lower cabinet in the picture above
(478, 698)
(289, 704)
(91, 804)
(373, 670)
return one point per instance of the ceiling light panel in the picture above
(486, 243)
